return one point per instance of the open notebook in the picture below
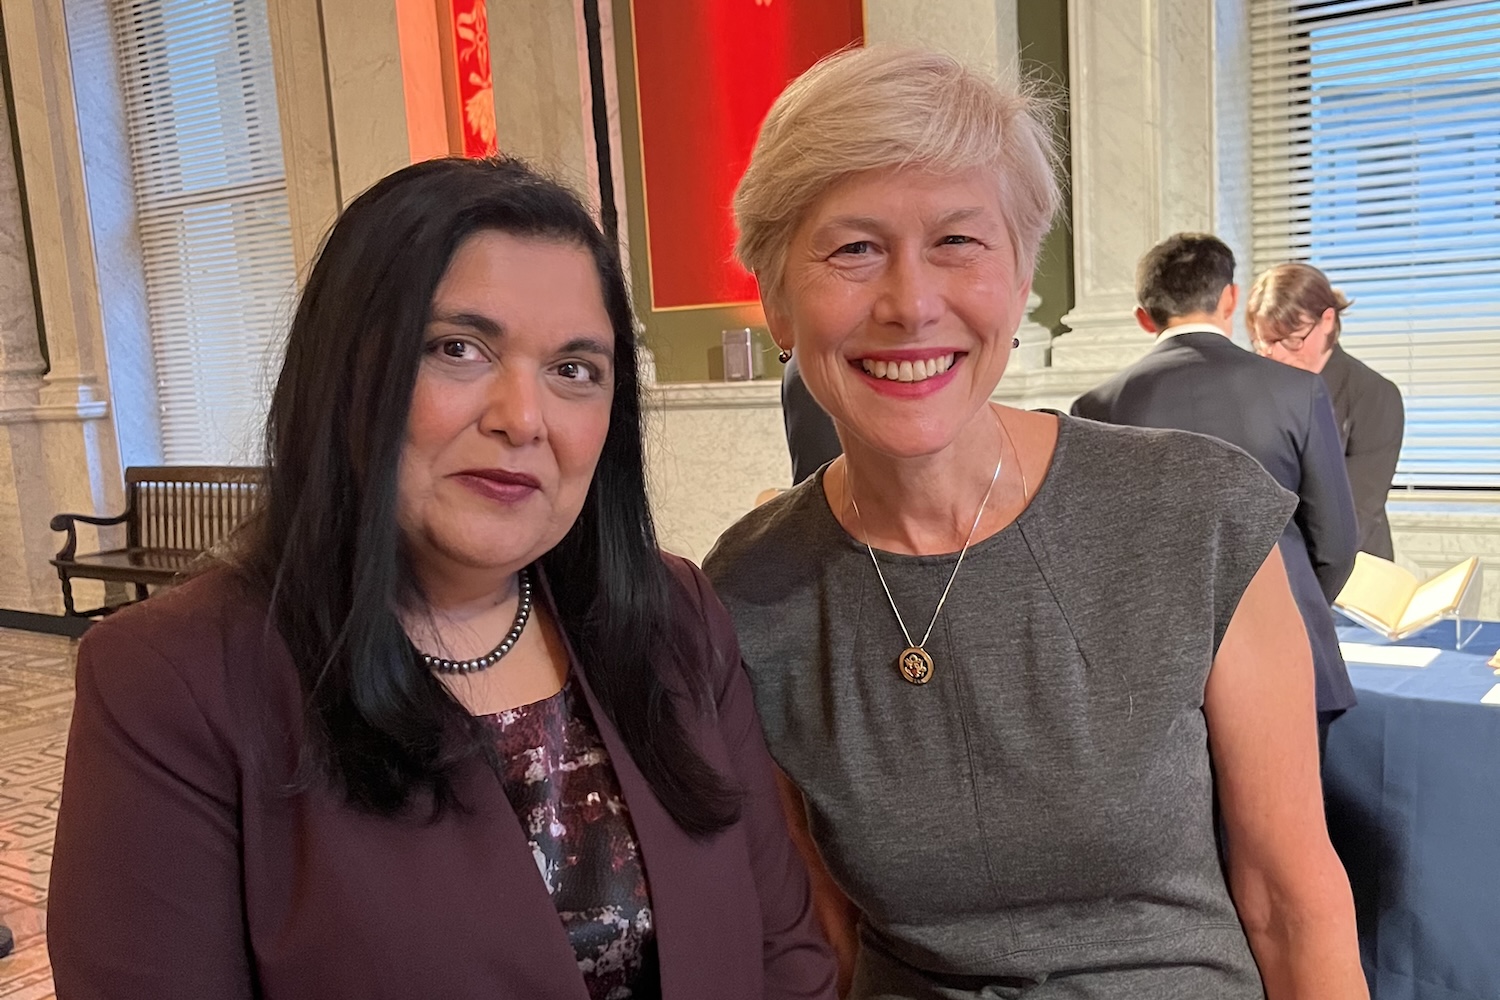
(1389, 600)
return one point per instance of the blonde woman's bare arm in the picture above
(837, 915)
(1288, 884)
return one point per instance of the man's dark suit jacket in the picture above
(1282, 417)
(186, 869)
(810, 434)
(1371, 424)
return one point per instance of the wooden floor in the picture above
(36, 698)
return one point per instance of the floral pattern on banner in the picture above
(476, 88)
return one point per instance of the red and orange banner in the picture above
(476, 89)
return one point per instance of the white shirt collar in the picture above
(1180, 329)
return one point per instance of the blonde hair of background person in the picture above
(1295, 316)
(892, 212)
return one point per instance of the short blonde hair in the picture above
(1287, 297)
(880, 108)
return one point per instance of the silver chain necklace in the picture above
(915, 663)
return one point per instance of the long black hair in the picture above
(326, 550)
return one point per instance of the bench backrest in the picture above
(191, 507)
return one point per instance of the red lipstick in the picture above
(908, 390)
(500, 485)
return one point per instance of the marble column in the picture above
(1142, 93)
(366, 94)
(343, 106)
(981, 33)
(305, 111)
(542, 93)
(1233, 207)
(57, 441)
(21, 370)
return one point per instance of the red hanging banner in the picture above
(707, 72)
(476, 89)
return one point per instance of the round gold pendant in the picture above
(915, 664)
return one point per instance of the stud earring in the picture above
(784, 356)
(1015, 342)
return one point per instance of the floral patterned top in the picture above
(558, 777)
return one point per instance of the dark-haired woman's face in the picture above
(510, 411)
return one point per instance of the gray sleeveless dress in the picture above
(1037, 821)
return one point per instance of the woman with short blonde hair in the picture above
(909, 109)
(1009, 660)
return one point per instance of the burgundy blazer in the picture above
(183, 869)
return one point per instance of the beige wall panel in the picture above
(366, 95)
(982, 33)
(539, 106)
(307, 146)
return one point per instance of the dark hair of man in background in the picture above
(1182, 275)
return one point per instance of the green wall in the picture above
(1042, 28)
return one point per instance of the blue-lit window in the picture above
(1377, 148)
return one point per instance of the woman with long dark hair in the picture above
(444, 723)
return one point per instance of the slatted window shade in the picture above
(200, 101)
(1376, 158)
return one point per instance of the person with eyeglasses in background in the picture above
(1295, 317)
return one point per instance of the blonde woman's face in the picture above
(900, 297)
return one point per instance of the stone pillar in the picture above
(366, 95)
(23, 555)
(539, 61)
(343, 104)
(307, 138)
(57, 443)
(1233, 209)
(1142, 93)
(981, 33)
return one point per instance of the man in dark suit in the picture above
(1197, 379)
(810, 435)
(1295, 316)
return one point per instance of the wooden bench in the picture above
(173, 514)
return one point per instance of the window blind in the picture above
(1376, 158)
(210, 187)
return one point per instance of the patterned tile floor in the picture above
(36, 697)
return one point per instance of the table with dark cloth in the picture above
(1412, 779)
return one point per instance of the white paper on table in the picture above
(1367, 654)
(1493, 698)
